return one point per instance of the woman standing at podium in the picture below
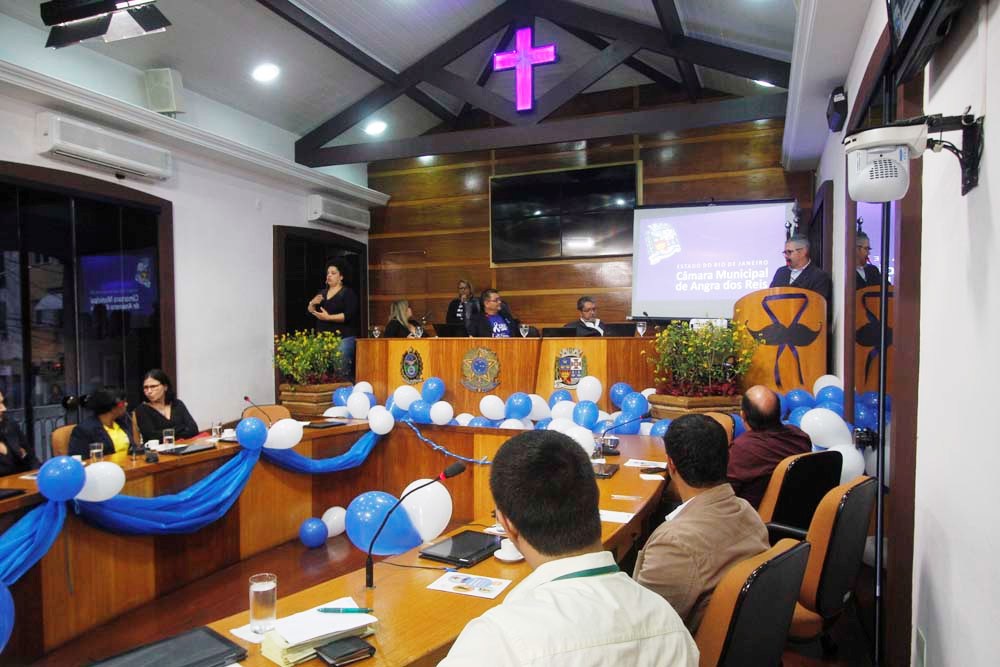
(162, 409)
(335, 308)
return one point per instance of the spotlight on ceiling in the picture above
(74, 21)
(375, 128)
(266, 72)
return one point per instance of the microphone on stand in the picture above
(456, 468)
(609, 444)
(247, 399)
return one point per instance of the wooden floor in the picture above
(225, 593)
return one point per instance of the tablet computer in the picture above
(325, 424)
(201, 647)
(464, 549)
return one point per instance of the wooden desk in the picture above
(417, 626)
(526, 364)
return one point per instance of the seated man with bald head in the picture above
(758, 451)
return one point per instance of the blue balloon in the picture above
(6, 616)
(365, 514)
(585, 414)
(602, 426)
(834, 406)
(830, 394)
(313, 533)
(739, 428)
(397, 412)
(870, 398)
(865, 416)
(619, 390)
(420, 410)
(61, 478)
(660, 428)
(634, 405)
(453, 422)
(433, 390)
(621, 428)
(543, 424)
(796, 415)
(799, 398)
(372, 401)
(481, 422)
(518, 405)
(251, 433)
(560, 395)
(341, 395)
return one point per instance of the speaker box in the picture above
(164, 90)
(836, 109)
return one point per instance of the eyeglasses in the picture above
(786, 253)
(147, 387)
(864, 247)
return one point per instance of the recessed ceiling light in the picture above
(765, 84)
(538, 212)
(620, 202)
(375, 128)
(266, 73)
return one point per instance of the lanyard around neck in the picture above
(592, 572)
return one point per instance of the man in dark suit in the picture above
(588, 324)
(866, 274)
(799, 271)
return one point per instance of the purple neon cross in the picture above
(522, 59)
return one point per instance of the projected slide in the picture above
(119, 282)
(697, 261)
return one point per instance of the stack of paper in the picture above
(294, 638)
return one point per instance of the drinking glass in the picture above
(376, 331)
(640, 328)
(168, 437)
(216, 430)
(418, 332)
(263, 602)
(96, 452)
(524, 330)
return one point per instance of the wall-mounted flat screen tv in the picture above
(567, 214)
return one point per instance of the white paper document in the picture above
(470, 584)
(305, 625)
(640, 463)
(611, 516)
(651, 478)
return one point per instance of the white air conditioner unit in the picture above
(337, 213)
(71, 139)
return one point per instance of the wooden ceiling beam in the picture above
(670, 21)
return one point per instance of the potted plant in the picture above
(699, 368)
(311, 366)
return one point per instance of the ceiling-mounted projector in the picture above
(74, 21)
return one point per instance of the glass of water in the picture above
(96, 452)
(524, 329)
(263, 602)
(376, 331)
(418, 332)
(168, 437)
(216, 430)
(640, 328)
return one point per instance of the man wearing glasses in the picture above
(495, 321)
(867, 274)
(799, 271)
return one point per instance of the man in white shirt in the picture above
(576, 608)
(589, 323)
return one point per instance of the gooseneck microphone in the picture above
(614, 426)
(247, 399)
(456, 468)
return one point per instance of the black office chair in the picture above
(797, 485)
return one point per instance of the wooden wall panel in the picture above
(732, 186)
(452, 213)
(737, 154)
(434, 183)
(569, 160)
(451, 247)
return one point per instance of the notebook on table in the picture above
(201, 647)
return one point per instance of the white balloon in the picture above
(602, 415)
(380, 419)
(429, 508)
(404, 395)
(363, 388)
(583, 436)
(561, 424)
(103, 481)
(528, 424)
(463, 419)
(870, 463)
(334, 520)
(614, 415)
(284, 434)
(492, 407)
(516, 424)
(645, 428)
(539, 408)
(358, 405)
(854, 462)
(337, 411)
(648, 391)
(589, 389)
(441, 413)
(827, 381)
(563, 410)
(825, 428)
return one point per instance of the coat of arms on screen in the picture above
(570, 366)
(411, 367)
(480, 370)
(662, 242)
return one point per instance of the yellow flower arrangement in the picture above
(308, 357)
(702, 361)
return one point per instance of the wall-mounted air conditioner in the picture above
(71, 139)
(337, 213)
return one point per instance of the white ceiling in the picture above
(216, 43)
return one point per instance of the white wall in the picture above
(831, 168)
(223, 241)
(956, 589)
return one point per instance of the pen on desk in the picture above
(345, 610)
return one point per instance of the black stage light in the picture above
(74, 21)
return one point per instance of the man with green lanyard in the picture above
(576, 607)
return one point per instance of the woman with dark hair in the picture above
(110, 425)
(162, 409)
(14, 456)
(335, 308)
(401, 323)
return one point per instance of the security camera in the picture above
(878, 161)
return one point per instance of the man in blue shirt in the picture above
(494, 321)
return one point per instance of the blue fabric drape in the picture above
(352, 458)
(193, 508)
(29, 539)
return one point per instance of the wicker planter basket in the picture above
(664, 406)
(308, 400)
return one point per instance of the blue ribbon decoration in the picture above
(352, 458)
(440, 448)
(202, 503)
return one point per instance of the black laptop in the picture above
(181, 450)
(464, 549)
(558, 332)
(619, 329)
(451, 331)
